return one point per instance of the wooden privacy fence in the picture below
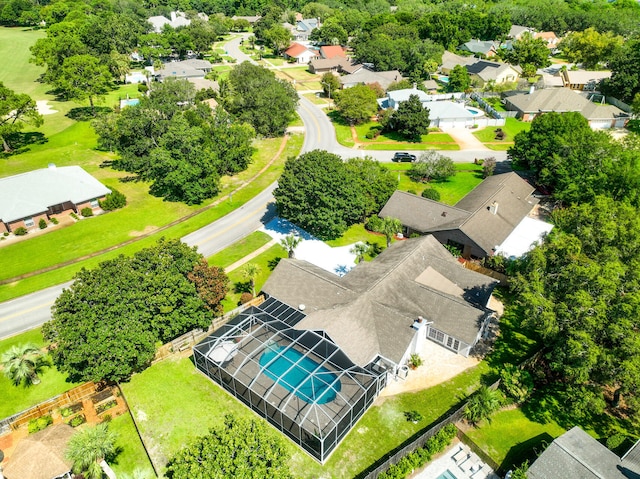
(504, 280)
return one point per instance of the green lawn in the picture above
(452, 190)
(297, 121)
(355, 234)
(16, 72)
(173, 403)
(240, 249)
(315, 99)
(511, 437)
(265, 151)
(131, 458)
(512, 127)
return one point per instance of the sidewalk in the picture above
(250, 256)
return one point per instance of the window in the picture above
(94, 203)
(453, 343)
(436, 335)
(28, 222)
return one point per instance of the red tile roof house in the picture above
(332, 51)
(299, 53)
(27, 198)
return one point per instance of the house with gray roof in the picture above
(27, 198)
(580, 456)
(192, 68)
(479, 47)
(364, 76)
(481, 71)
(516, 31)
(562, 100)
(178, 19)
(588, 80)
(477, 224)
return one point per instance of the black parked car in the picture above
(404, 157)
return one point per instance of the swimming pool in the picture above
(307, 379)
(447, 475)
(130, 101)
(474, 111)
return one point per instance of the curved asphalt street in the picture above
(32, 310)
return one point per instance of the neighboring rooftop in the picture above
(34, 192)
(332, 51)
(295, 50)
(366, 76)
(583, 77)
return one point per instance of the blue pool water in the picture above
(447, 475)
(311, 382)
(473, 112)
(443, 79)
(131, 101)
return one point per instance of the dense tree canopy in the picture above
(356, 104)
(528, 51)
(411, 119)
(257, 97)
(242, 448)
(324, 195)
(459, 79)
(625, 76)
(83, 77)
(590, 47)
(107, 323)
(16, 111)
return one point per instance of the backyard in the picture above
(511, 128)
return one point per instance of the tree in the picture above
(389, 228)
(356, 104)
(624, 83)
(22, 363)
(278, 37)
(290, 243)
(375, 184)
(488, 166)
(330, 33)
(411, 119)
(16, 111)
(242, 448)
(107, 323)
(590, 47)
(483, 404)
(360, 249)
(529, 51)
(431, 166)
(459, 79)
(330, 84)
(212, 285)
(257, 97)
(250, 272)
(84, 77)
(89, 447)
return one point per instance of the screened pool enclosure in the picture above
(300, 381)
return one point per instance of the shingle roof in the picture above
(34, 192)
(366, 76)
(371, 309)
(578, 456)
(517, 30)
(450, 60)
(582, 77)
(562, 100)
(41, 455)
(478, 46)
(488, 70)
(332, 51)
(295, 49)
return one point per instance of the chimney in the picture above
(493, 209)
(532, 89)
(173, 16)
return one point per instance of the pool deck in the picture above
(461, 462)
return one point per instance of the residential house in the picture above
(516, 31)
(430, 85)
(299, 53)
(41, 455)
(478, 224)
(178, 19)
(192, 68)
(27, 198)
(480, 47)
(335, 64)
(313, 357)
(332, 51)
(204, 84)
(364, 76)
(580, 456)
(451, 60)
(480, 71)
(249, 18)
(549, 38)
(562, 100)
(584, 79)
(304, 28)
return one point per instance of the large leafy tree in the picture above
(257, 97)
(242, 448)
(411, 119)
(529, 51)
(459, 79)
(356, 104)
(16, 111)
(22, 363)
(431, 166)
(590, 47)
(89, 447)
(107, 323)
(84, 77)
(625, 76)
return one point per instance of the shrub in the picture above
(373, 223)
(107, 418)
(77, 420)
(615, 441)
(113, 201)
(143, 88)
(413, 416)
(374, 132)
(86, 212)
(415, 360)
(66, 412)
(516, 382)
(74, 216)
(20, 231)
(488, 167)
(412, 192)
(55, 221)
(105, 406)
(431, 194)
(5, 234)
(245, 298)
(40, 423)
(42, 224)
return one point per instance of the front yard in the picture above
(511, 128)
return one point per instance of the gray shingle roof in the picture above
(478, 46)
(365, 76)
(371, 309)
(488, 70)
(34, 192)
(578, 456)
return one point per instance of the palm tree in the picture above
(390, 227)
(249, 272)
(483, 404)
(290, 243)
(88, 448)
(23, 363)
(359, 249)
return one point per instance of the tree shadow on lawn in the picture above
(528, 450)
(86, 113)
(337, 118)
(20, 141)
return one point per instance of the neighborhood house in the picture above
(27, 198)
(314, 356)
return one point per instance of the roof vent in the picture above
(444, 214)
(302, 307)
(493, 209)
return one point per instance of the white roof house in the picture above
(28, 194)
(178, 19)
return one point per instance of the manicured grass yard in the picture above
(511, 437)
(355, 234)
(315, 99)
(173, 403)
(512, 127)
(131, 457)
(240, 249)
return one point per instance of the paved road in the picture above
(232, 47)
